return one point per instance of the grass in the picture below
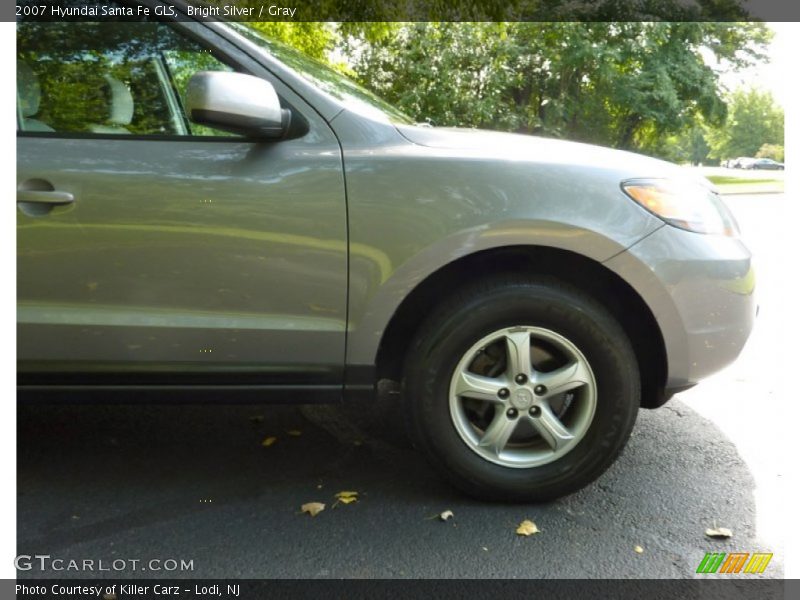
(731, 184)
(729, 180)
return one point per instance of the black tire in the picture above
(479, 310)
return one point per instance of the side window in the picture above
(181, 64)
(107, 78)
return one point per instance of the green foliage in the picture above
(753, 120)
(627, 85)
(773, 151)
(687, 147)
(314, 39)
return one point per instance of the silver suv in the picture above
(204, 212)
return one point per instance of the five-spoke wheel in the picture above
(521, 389)
(522, 396)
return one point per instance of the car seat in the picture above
(120, 108)
(29, 95)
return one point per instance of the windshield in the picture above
(334, 83)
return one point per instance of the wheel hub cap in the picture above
(522, 399)
(527, 406)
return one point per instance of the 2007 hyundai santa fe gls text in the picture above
(203, 209)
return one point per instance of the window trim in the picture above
(155, 137)
(167, 84)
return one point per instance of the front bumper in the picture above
(700, 289)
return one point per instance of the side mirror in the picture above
(237, 103)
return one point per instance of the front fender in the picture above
(370, 314)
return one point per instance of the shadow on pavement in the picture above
(195, 483)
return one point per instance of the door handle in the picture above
(52, 198)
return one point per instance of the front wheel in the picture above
(521, 390)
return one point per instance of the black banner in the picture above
(409, 10)
(733, 588)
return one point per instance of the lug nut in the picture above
(503, 393)
(535, 411)
(511, 413)
(540, 390)
(521, 378)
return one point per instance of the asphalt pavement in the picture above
(195, 483)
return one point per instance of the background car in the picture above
(764, 163)
(741, 162)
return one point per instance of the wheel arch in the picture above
(625, 304)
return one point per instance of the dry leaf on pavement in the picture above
(719, 532)
(527, 527)
(313, 508)
(346, 497)
(269, 441)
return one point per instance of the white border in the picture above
(789, 447)
(8, 275)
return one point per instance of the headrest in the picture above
(29, 92)
(121, 104)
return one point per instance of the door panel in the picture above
(183, 252)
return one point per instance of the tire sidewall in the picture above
(587, 325)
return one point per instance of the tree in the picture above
(627, 85)
(689, 146)
(312, 38)
(754, 119)
(773, 151)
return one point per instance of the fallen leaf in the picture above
(313, 508)
(448, 514)
(638, 549)
(346, 497)
(719, 532)
(269, 441)
(527, 528)
(294, 432)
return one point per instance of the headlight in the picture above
(684, 204)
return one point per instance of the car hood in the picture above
(510, 146)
